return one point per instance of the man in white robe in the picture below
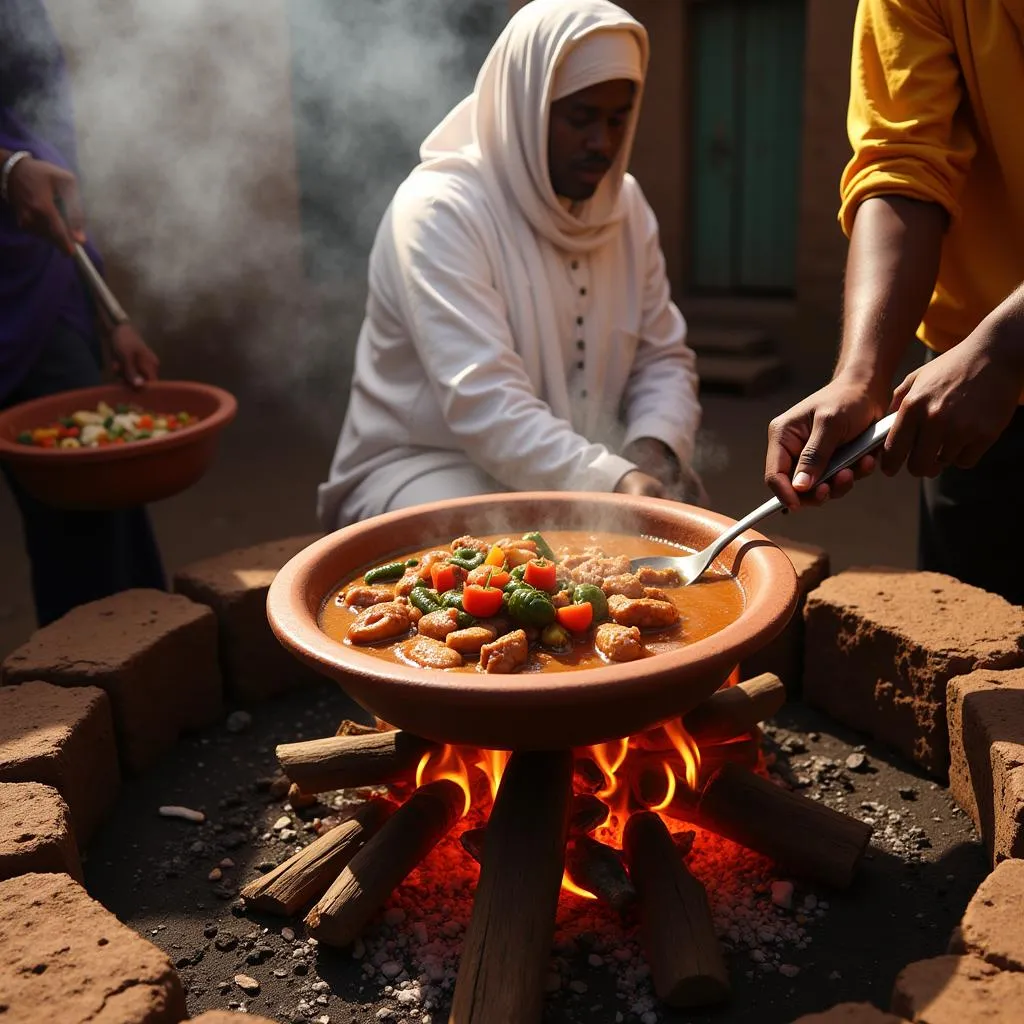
(519, 331)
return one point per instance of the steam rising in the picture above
(191, 145)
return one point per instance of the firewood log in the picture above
(801, 835)
(598, 868)
(350, 728)
(306, 875)
(380, 865)
(506, 951)
(340, 762)
(735, 710)
(676, 928)
(586, 814)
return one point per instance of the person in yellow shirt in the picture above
(933, 203)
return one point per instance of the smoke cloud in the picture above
(209, 128)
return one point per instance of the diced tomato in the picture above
(541, 573)
(145, 422)
(442, 574)
(172, 423)
(118, 440)
(47, 442)
(576, 617)
(495, 557)
(488, 576)
(483, 602)
(69, 432)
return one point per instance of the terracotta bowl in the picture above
(534, 710)
(117, 476)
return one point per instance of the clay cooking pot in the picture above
(535, 710)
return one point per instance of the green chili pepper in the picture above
(543, 548)
(531, 607)
(595, 595)
(452, 599)
(518, 572)
(389, 571)
(25, 437)
(425, 599)
(470, 561)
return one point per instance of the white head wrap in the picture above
(599, 57)
(502, 128)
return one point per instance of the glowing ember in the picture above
(619, 773)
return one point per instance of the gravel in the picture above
(791, 948)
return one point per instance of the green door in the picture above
(747, 67)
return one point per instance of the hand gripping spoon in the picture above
(692, 567)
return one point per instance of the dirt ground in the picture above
(923, 866)
(263, 486)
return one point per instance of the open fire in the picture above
(613, 823)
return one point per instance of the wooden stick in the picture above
(507, 947)
(340, 762)
(306, 876)
(367, 880)
(735, 710)
(598, 868)
(350, 728)
(586, 814)
(676, 928)
(801, 835)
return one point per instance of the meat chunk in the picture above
(428, 653)
(404, 587)
(619, 643)
(506, 653)
(438, 625)
(659, 577)
(562, 599)
(517, 542)
(431, 558)
(625, 583)
(597, 570)
(379, 622)
(656, 594)
(518, 554)
(642, 612)
(475, 543)
(469, 641)
(362, 596)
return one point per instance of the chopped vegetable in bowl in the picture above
(105, 425)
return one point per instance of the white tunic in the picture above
(532, 355)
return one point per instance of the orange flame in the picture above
(449, 765)
(492, 763)
(687, 749)
(570, 886)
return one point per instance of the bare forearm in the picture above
(890, 275)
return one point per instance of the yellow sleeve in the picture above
(905, 89)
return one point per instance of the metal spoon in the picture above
(692, 567)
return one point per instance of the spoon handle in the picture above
(844, 457)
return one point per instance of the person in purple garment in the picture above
(50, 328)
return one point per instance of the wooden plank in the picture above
(715, 143)
(746, 375)
(768, 161)
(729, 341)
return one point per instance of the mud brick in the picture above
(986, 745)
(992, 927)
(851, 1013)
(154, 654)
(35, 831)
(68, 959)
(254, 665)
(785, 654)
(881, 645)
(957, 989)
(227, 1017)
(65, 738)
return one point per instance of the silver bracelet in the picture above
(9, 164)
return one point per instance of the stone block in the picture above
(155, 656)
(254, 665)
(68, 959)
(785, 654)
(65, 738)
(881, 644)
(986, 744)
(992, 927)
(35, 831)
(958, 989)
(851, 1013)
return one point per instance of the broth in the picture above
(704, 607)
